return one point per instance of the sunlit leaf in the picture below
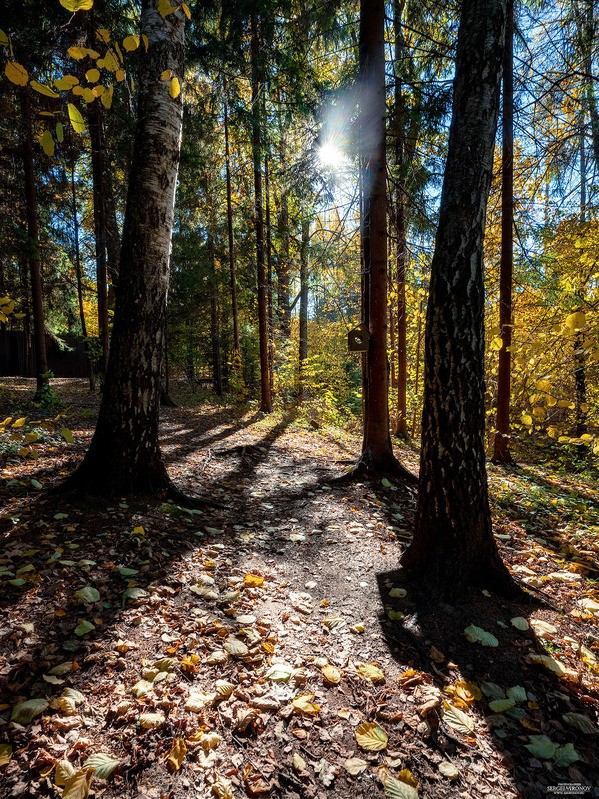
(457, 719)
(41, 88)
(131, 43)
(305, 706)
(371, 737)
(77, 5)
(16, 73)
(355, 766)
(76, 119)
(397, 789)
(177, 753)
(175, 88)
(103, 764)
(87, 595)
(77, 786)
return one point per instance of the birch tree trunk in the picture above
(453, 546)
(124, 456)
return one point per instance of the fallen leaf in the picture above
(176, 755)
(371, 737)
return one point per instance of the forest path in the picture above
(251, 642)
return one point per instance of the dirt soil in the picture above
(268, 648)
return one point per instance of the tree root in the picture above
(367, 467)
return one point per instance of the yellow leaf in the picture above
(3, 37)
(371, 736)
(405, 775)
(106, 97)
(576, 321)
(79, 53)
(103, 35)
(131, 43)
(305, 706)
(253, 580)
(165, 8)
(526, 419)
(47, 143)
(66, 82)
(175, 88)
(371, 672)
(5, 749)
(16, 73)
(78, 91)
(76, 119)
(92, 75)
(496, 344)
(98, 90)
(19, 422)
(77, 5)
(186, 10)
(331, 675)
(166, 75)
(43, 89)
(176, 756)
(144, 39)
(120, 74)
(467, 691)
(77, 786)
(88, 95)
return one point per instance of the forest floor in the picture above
(266, 648)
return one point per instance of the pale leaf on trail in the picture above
(355, 766)
(77, 786)
(103, 764)
(449, 770)
(371, 737)
(369, 671)
(457, 719)
(397, 789)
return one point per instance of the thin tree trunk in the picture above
(377, 452)
(28, 350)
(265, 392)
(96, 135)
(501, 450)
(303, 301)
(284, 260)
(237, 367)
(79, 278)
(580, 380)
(453, 546)
(401, 424)
(124, 456)
(270, 314)
(418, 355)
(217, 380)
(35, 267)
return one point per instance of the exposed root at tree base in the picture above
(369, 468)
(191, 503)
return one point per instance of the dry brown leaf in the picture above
(176, 756)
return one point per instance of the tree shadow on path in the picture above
(430, 639)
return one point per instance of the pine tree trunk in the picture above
(501, 448)
(79, 278)
(233, 279)
(124, 456)
(217, 378)
(377, 452)
(453, 546)
(401, 424)
(303, 302)
(269, 302)
(35, 266)
(265, 393)
(96, 135)
(284, 260)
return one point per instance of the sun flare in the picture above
(331, 156)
